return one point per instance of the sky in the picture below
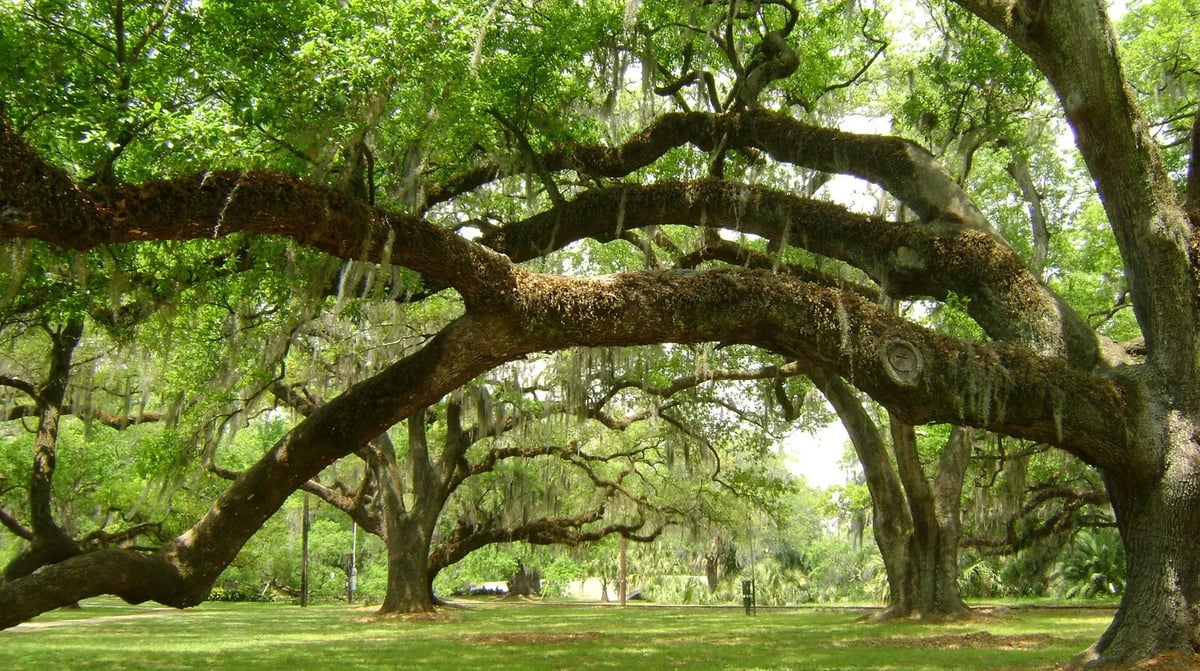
(815, 455)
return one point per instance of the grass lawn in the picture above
(274, 637)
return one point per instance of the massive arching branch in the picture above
(1073, 44)
(906, 260)
(952, 250)
(925, 376)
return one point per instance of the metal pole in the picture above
(304, 556)
(623, 578)
(351, 584)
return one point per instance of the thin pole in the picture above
(304, 556)
(623, 578)
(351, 584)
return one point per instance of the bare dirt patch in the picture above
(438, 616)
(1171, 661)
(531, 638)
(976, 639)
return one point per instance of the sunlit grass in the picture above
(540, 637)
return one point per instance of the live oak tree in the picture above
(404, 494)
(518, 94)
(421, 491)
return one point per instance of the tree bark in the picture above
(1153, 490)
(1160, 608)
(409, 531)
(712, 574)
(408, 580)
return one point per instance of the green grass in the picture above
(279, 637)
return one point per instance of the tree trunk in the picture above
(51, 543)
(409, 533)
(1160, 609)
(408, 581)
(917, 526)
(892, 525)
(933, 548)
(526, 581)
(712, 571)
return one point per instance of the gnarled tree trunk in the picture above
(936, 514)
(1158, 519)
(917, 527)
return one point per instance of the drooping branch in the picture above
(14, 525)
(28, 388)
(102, 538)
(738, 255)
(1018, 535)
(103, 416)
(338, 497)
(686, 382)
(570, 531)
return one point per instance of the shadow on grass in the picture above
(277, 637)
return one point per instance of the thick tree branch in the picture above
(898, 165)
(131, 575)
(906, 260)
(40, 201)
